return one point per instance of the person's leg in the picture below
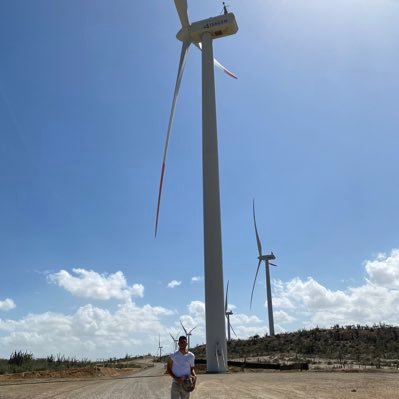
(184, 394)
(175, 391)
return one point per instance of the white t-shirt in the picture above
(182, 363)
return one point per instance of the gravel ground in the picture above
(153, 384)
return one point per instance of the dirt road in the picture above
(153, 384)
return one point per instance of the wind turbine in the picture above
(202, 34)
(266, 259)
(160, 347)
(188, 334)
(228, 313)
(175, 340)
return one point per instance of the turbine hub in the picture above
(184, 35)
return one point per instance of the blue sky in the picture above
(310, 130)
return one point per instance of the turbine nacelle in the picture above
(220, 26)
(267, 257)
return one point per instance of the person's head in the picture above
(182, 342)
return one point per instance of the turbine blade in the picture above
(226, 301)
(218, 64)
(182, 10)
(273, 264)
(182, 63)
(232, 329)
(183, 327)
(256, 230)
(193, 329)
(253, 287)
(224, 69)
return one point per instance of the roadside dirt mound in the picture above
(84, 372)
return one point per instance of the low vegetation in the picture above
(20, 362)
(376, 345)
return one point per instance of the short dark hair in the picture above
(182, 337)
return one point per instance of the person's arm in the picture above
(169, 365)
(194, 375)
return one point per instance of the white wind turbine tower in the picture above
(202, 34)
(228, 313)
(188, 334)
(175, 340)
(266, 259)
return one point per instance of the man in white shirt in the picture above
(180, 365)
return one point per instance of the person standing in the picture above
(180, 366)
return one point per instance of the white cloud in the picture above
(197, 279)
(281, 317)
(90, 332)
(197, 310)
(90, 284)
(246, 326)
(282, 302)
(377, 300)
(174, 283)
(241, 318)
(384, 270)
(7, 304)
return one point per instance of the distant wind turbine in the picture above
(266, 259)
(160, 347)
(188, 334)
(228, 313)
(175, 340)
